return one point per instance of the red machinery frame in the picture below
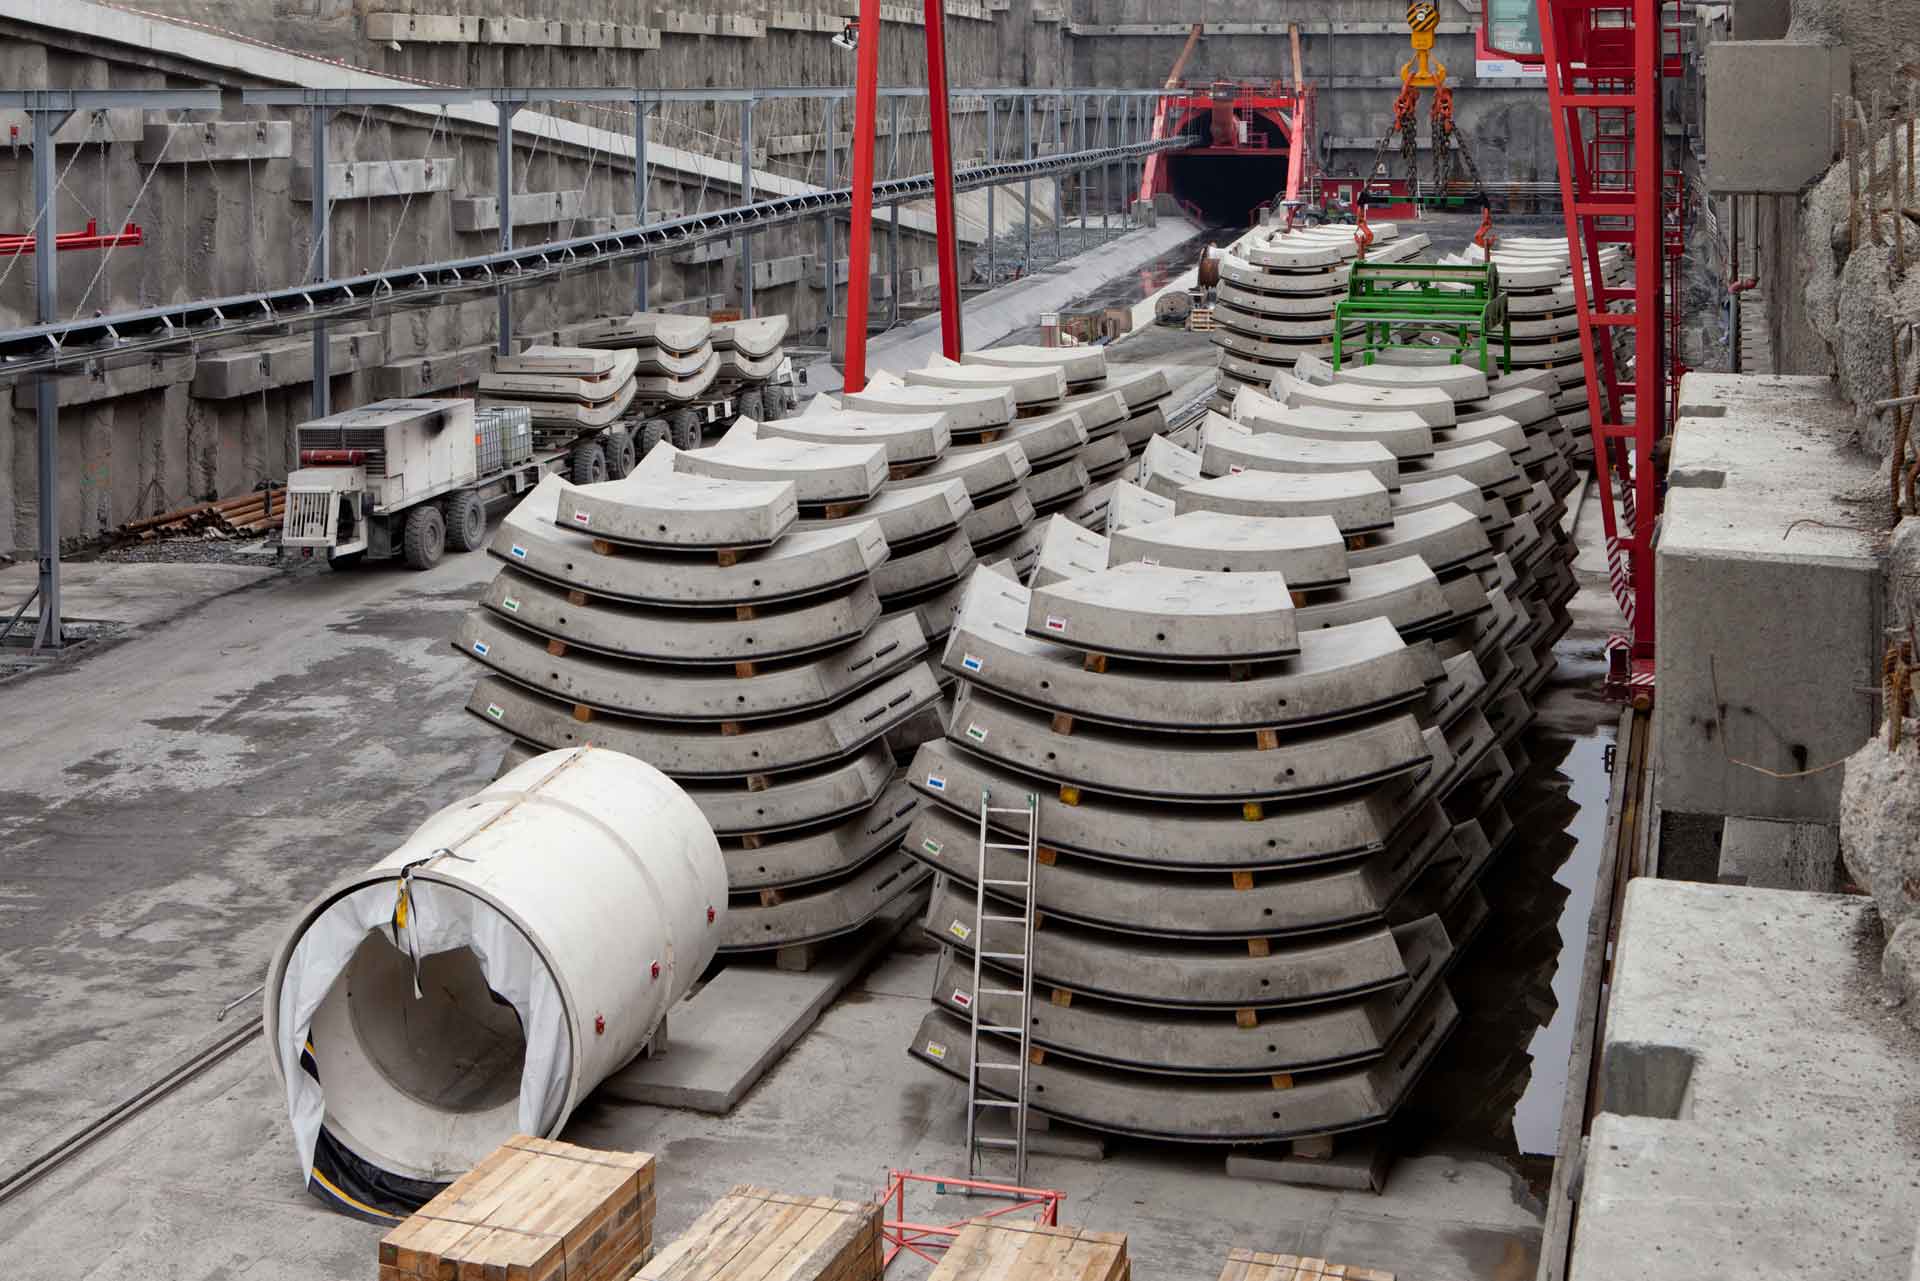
(1604, 62)
(902, 1233)
(1290, 111)
(13, 244)
(866, 111)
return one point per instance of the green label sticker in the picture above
(496, 711)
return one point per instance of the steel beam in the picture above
(827, 237)
(322, 233)
(640, 179)
(746, 198)
(992, 155)
(51, 633)
(503, 187)
(893, 214)
(939, 126)
(1026, 199)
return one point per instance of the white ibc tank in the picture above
(483, 978)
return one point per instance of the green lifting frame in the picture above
(1465, 301)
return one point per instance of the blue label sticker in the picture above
(480, 648)
(519, 552)
(971, 663)
(937, 783)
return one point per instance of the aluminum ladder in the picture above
(979, 1101)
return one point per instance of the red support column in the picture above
(942, 139)
(866, 112)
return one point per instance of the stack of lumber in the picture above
(1257, 1265)
(254, 513)
(533, 1210)
(755, 1234)
(1000, 1250)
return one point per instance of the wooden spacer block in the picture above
(1252, 811)
(1243, 880)
(1069, 795)
(558, 648)
(1265, 739)
(1036, 1056)
(1317, 1148)
(797, 958)
(771, 898)
(1283, 1080)
(602, 547)
(744, 670)
(727, 557)
(576, 598)
(743, 612)
(1246, 1018)
(582, 713)
(1045, 855)
(1239, 671)
(838, 511)
(1095, 662)
(750, 841)
(1062, 997)
(1258, 947)
(1063, 723)
(757, 782)
(729, 729)
(1299, 599)
(1357, 541)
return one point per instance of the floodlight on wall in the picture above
(849, 37)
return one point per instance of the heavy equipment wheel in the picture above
(466, 519)
(686, 426)
(425, 540)
(621, 454)
(587, 463)
(752, 405)
(773, 404)
(652, 432)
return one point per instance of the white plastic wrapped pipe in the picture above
(480, 980)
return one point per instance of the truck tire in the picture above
(652, 432)
(751, 406)
(621, 454)
(773, 404)
(466, 518)
(425, 540)
(686, 427)
(587, 463)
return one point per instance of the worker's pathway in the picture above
(165, 803)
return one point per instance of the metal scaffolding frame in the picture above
(50, 345)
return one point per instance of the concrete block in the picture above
(97, 384)
(118, 125)
(521, 31)
(769, 273)
(711, 251)
(842, 270)
(796, 20)
(482, 213)
(241, 371)
(1751, 1094)
(434, 371)
(1768, 609)
(1759, 19)
(589, 35)
(212, 141)
(681, 23)
(1358, 1163)
(423, 28)
(627, 37)
(1779, 856)
(739, 25)
(375, 179)
(1777, 140)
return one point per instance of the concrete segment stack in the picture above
(563, 389)
(1277, 292)
(1270, 719)
(703, 616)
(750, 353)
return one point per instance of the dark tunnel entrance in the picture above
(1226, 185)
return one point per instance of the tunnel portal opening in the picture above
(1225, 186)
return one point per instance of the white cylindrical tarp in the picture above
(481, 979)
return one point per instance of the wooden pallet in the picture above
(1257, 1265)
(532, 1210)
(1200, 320)
(754, 1234)
(998, 1250)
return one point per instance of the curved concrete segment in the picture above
(1209, 1043)
(821, 853)
(967, 410)
(1356, 501)
(1068, 551)
(1405, 435)
(1101, 412)
(798, 564)
(577, 414)
(1183, 905)
(1486, 464)
(1030, 387)
(755, 337)
(800, 799)
(1168, 615)
(1044, 439)
(1404, 592)
(1076, 364)
(1207, 1111)
(1420, 495)
(922, 570)
(682, 750)
(1138, 385)
(682, 510)
(1107, 456)
(820, 473)
(1340, 673)
(985, 470)
(821, 911)
(1166, 468)
(678, 387)
(1183, 973)
(737, 366)
(1435, 408)
(1117, 830)
(1459, 382)
(1227, 447)
(1308, 550)
(661, 330)
(1447, 538)
(1131, 505)
(1290, 328)
(907, 516)
(1061, 483)
(659, 635)
(1188, 767)
(907, 438)
(990, 524)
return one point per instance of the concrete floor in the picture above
(174, 798)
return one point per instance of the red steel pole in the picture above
(866, 112)
(941, 127)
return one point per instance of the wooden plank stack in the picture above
(532, 1210)
(1257, 1265)
(1000, 1250)
(754, 1234)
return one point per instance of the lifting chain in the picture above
(1450, 150)
(1405, 124)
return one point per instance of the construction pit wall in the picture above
(221, 204)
